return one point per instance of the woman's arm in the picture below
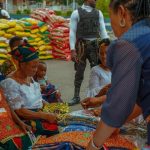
(103, 131)
(93, 101)
(19, 122)
(29, 115)
(104, 90)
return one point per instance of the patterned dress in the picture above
(29, 97)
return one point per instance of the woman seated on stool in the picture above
(23, 93)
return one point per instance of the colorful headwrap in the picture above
(24, 53)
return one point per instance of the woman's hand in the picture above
(91, 102)
(24, 126)
(90, 147)
(96, 112)
(148, 119)
(50, 117)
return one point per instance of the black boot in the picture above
(76, 98)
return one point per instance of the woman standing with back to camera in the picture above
(129, 59)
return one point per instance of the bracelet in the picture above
(94, 146)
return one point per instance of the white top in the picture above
(21, 95)
(5, 13)
(74, 21)
(98, 79)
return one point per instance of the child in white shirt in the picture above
(100, 74)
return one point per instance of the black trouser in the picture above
(85, 50)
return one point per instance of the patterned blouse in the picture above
(22, 95)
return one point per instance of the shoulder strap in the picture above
(80, 11)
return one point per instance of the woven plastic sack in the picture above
(3, 45)
(19, 28)
(40, 23)
(3, 26)
(11, 30)
(2, 33)
(8, 36)
(11, 24)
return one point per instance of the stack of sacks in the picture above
(43, 15)
(7, 28)
(38, 37)
(48, 16)
(3, 48)
(60, 42)
(35, 31)
(7, 31)
(59, 29)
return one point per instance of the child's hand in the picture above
(96, 112)
(43, 87)
(58, 95)
(148, 119)
(91, 102)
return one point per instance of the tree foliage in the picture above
(39, 1)
(102, 5)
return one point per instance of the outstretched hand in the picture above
(50, 117)
(91, 102)
(96, 112)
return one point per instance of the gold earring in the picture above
(122, 23)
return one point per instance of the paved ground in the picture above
(61, 74)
